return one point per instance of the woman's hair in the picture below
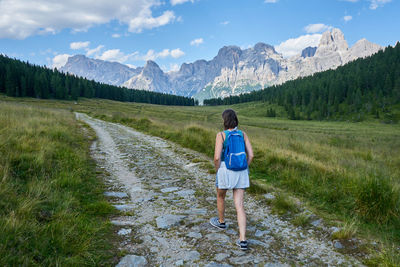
(230, 119)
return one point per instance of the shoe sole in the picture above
(241, 248)
(216, 226)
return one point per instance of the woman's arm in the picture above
(218, 151)
(249, 149)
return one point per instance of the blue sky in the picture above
(171, 32)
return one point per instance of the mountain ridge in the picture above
(231, 72)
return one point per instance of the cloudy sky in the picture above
(170, 32)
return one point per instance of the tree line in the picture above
(22, 79)
(364, 86)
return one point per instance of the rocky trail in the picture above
(167, 199)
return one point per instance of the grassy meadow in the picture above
(348, 173)
(52, 208)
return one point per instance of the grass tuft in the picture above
(346, 232)
(377, 200)
(301, 220)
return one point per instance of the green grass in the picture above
(52, 209)
(283, 204)
(343, 171)
(348, 231)
(301, 219)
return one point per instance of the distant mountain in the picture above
(231, 72)
(99, 70)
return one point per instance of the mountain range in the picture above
(231, 72)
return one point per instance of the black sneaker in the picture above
(242, 244)
(215, 222)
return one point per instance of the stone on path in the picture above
(116, 194)
(169, 220)
(256, 242)
(221, 256)
(242, 260)
(194, 235)
(269, 196)
(213, 264)
(192, 256)
(273, 264)
(124, 207)
(185, 193)
(124, 231)
(218, 237)
(338, 245)
(169, 189)
(132, 261)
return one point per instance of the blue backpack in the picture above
(235, 153)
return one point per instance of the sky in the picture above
(172, 32)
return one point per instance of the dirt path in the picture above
(169, 200)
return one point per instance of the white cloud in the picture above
(270, 1)
(116, 55)
(225, 22)
(197, 41)
(173, 67)
(152, 55)
(377, 3)
(60, 60)
(20, 18)
(131, 66)
(318, 27)
(347, 18)
(116, 35)
(79, 45)
(178, 2)
(146, 21)
(94, 51)
(163, 54)
(294, 46)
(176, 53)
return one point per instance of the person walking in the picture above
(232, 157)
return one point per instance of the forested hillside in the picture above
(368, 86)
(22, 79)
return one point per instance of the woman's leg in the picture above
(238, 195)
(221, 193)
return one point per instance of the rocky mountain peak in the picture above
(229, 51)
(231, 72)
(261, 47)
(332, 41)
(151, 64)
(151, 69)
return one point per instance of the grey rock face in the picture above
(308, 52)
(231, 72)
(132, 261)
(99, 70)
